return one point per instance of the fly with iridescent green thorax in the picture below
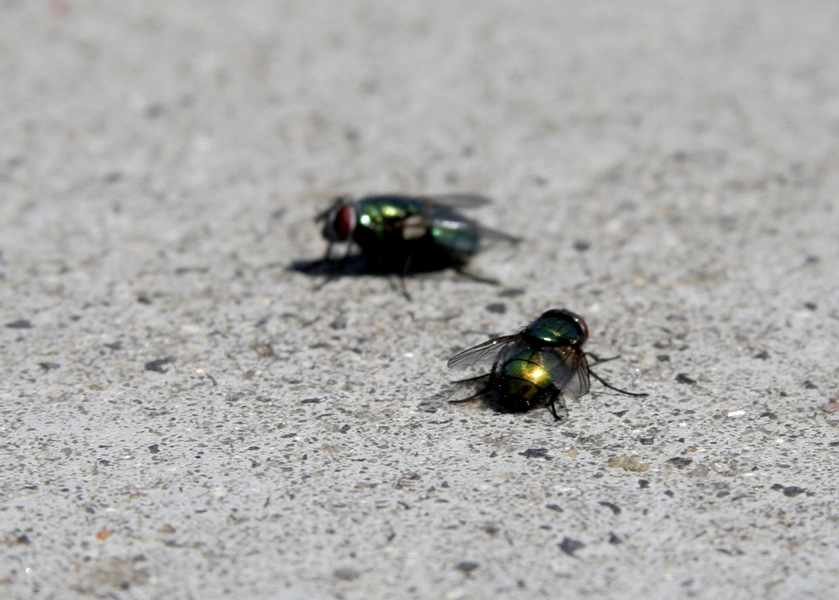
(401, 234)
(543, 364)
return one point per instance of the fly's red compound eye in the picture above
(582, 324)
(578, 321)
(344, 222)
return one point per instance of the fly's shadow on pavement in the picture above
(354, 266)
(361, 266)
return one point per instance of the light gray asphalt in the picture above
(672, 168)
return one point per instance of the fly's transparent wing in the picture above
(569, 371)
(493, 235)
(458, 200)
(438, 211)
(441, 214)
(488, 352)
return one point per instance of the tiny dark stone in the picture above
(810, 305)
(763, 355)
(466, 566)
(663, 358)
(680, 461)
(157, 365)
(612, 506)
(643, 483)
(769, 415)
(683, 378)
(23, 539)
(620, 413)
(613, 539)
(154, 448)
(143, 299)
(511, 293)
(186, 270)
(833, 444)
(647, 441)
(114, 346)
(555, 507)
(48, 366)
(792, 491)
(338, 324)
(311, 401)
(809, 385)
(811, 260)
(777, 486)
(582, 245)
(155, 110)
(536, 453)
(344, 429)
(346, 574)
(669, 493)
(498, 308)
(263, 350)
(570, 546)
(20, 324)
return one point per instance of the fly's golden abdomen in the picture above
(524, 381)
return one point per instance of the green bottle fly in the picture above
(543, 364)
(406, 233)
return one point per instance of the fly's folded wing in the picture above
(568, 369)
(487, 353)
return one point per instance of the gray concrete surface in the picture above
(672, 166)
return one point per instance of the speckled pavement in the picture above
(185, 415)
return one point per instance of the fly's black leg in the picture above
(403, 274)
(597, 360)
(486, 377)
(338, 267)
(328, 255)
(468, 399)
(342, 262)
(557, 398)
(475, 277)
(611, 387)
(471, 379)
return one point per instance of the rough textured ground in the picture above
(182, 416)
